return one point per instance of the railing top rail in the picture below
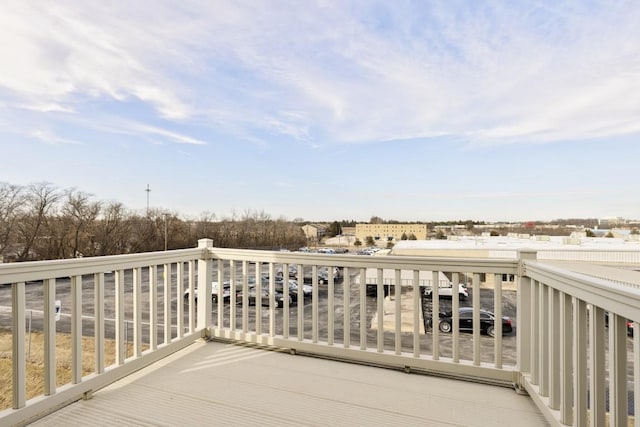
(478, 265)
(611, 296)
(38, 270)
(634, 247)
(619, 274)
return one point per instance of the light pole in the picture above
(165, 230)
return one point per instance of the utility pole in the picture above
(148, 190)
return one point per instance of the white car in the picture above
(447, 291)
(226, 292)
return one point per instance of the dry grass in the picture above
(35, 363)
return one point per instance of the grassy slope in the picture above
(35, 364)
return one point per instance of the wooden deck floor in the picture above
(213, 383)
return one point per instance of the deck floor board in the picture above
(214, 383)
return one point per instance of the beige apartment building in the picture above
(383, 233)
(314, 232)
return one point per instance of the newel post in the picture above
(204, 286)
(523, 316)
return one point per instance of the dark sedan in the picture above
(322, 279)
(487, 322)
(294, 289)
(252, 297)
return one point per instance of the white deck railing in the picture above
(556, 353)
(325, 325)
(577, 366)
(87, 307)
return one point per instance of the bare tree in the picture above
(204, 222)
(80, 214)
(40, 199)
(41, 222)
(11, 199)
(148, 232)
(376, 220)
(112, 232)
(54, 243)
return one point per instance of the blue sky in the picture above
(323, 110)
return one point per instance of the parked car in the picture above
(293, 272)
(326, 251)
(372, 290)
(226, 292)
(252, 297)
(278, 281)
(336, 271)
(307, 290)
(368, 251)
(465, 316)
(322, 278)
(447, 291)
(629, 324)
(294, 289)
(292, 293)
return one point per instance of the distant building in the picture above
(577, 247)
(348, 231)
(314, 232)
(390, 232)
(610, 222)
(623, 252)
(452, 229)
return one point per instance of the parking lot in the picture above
(35, 291)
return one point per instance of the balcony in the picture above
(189, 360)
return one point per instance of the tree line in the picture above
(41, 221)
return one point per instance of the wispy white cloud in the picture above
(59, 54)
(109, 124)
(485, 73)
(284, 84)
(48, 108)
(49, 137)
(174, 136)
